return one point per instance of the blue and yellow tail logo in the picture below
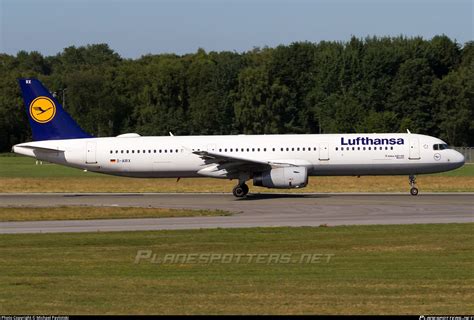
(48, 119)
(42, 109)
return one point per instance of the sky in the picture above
(138, 27)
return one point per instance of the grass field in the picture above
(87, 213)
(20, 174)
(409, 269)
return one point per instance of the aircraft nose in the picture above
(461, 158)
(458, 158)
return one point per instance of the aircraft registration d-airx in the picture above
(272, 161)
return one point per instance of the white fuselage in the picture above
(325, 154)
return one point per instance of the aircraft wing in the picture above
(234, 164)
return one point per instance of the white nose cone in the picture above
(456, 159)
(459, 158)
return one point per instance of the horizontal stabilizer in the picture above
(32, 147)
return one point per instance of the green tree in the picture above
(454, 99)
(410, 96)
(260, 106)
(362, 85)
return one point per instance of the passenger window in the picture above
(391, 148)
(336, 148)
(258, 149)
(127, 151)
(353, 148)
(314, 148)
(358, 148)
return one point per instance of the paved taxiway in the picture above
(257, 210)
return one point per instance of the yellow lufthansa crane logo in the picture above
(42, 109)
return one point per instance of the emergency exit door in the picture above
(323, 151)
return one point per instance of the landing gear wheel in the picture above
(414, 189)
(240, 191)
(246, 188)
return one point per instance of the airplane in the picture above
(283, 161)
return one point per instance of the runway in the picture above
(257, 210)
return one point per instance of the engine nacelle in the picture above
(282, 178)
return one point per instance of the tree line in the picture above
(386, 84)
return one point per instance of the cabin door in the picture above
(91, 156)
(414, 153)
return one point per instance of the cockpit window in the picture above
(440, 146)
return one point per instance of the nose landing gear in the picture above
(414, 189)
(240, 190)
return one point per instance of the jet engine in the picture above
(282, 178)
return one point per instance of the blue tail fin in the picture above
(48, 119)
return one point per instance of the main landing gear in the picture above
(414, 189)
(240, 190)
